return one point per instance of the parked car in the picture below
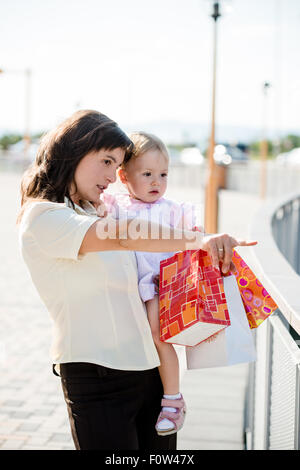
(226, 154)
(291, 158)
(191, 156)
(221, 156)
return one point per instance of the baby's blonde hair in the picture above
(143, 142)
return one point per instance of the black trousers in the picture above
(112, 409)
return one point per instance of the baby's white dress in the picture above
(165, 212)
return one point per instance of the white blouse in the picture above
(93, 299)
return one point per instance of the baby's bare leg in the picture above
(169, 368)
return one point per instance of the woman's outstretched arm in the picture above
(138, 235)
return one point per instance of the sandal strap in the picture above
(179, 403)
(169, 415)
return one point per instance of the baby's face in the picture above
(146, 176)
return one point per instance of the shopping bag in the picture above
(230, 346)
(192, 301)
(258, 304)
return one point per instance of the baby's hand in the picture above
(156, 283)
(101, 209)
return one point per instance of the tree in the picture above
(289, 142)
(9, 139)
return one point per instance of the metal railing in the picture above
(286, 231)
(272, 417)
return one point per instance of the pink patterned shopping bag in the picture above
(192, 301)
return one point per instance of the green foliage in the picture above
(289, 142)
(38, 135)
(285, 144)
(255, 147)
(7, 140)
(180, 147)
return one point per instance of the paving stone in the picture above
(27, 447)
(45, 412)
(8, 427)
(60, 437)
(20, 414)
(37, 440)
(13, 403)
(28, 427)
(12, 444)
(207, 445)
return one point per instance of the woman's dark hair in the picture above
(60, 151)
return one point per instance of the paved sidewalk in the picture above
(33, 414)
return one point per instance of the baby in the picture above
(145, 177)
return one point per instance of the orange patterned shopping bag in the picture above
(257, 302)
(192, 300)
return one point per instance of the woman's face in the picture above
(94, 173)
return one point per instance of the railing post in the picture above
(250, 408)
(289, 229)
(268, 383)
(297, 410)
(294, 233)
(298, 241)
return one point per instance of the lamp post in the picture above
(264, 144)
(27, 111)
(211, 196)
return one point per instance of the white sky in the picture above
(139, 61)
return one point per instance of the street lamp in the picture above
(27, 75)
(264, 143)
(211, 196)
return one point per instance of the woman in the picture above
(85, 272)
